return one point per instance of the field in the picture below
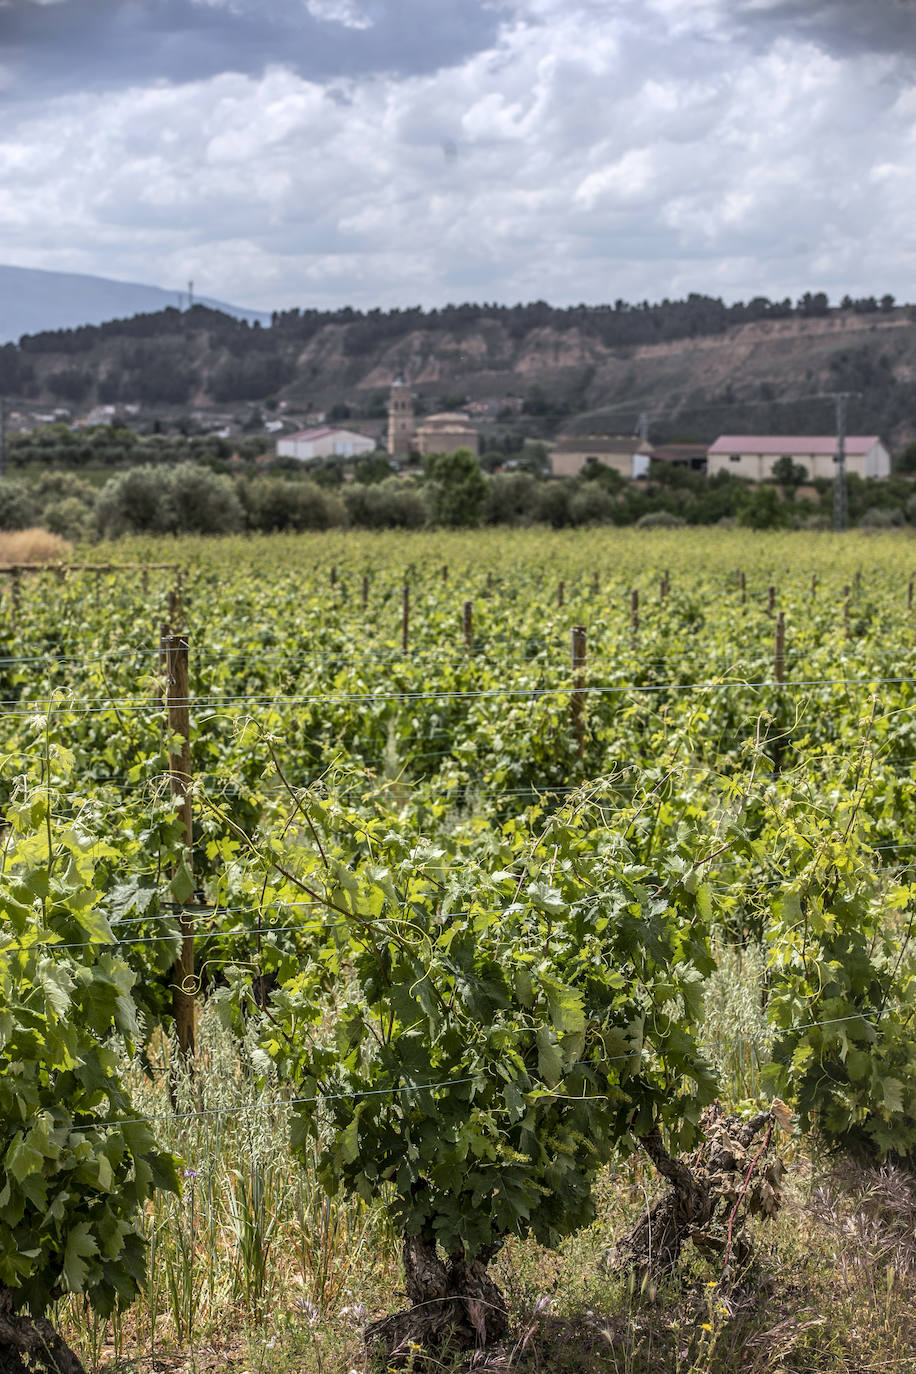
(507, 849)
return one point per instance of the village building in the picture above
(572, 455)
(324, 442)
(445, 433)
(436, 434)
(754, 456)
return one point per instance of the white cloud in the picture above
(595, 150)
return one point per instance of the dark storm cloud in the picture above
(52, 48)
(845, 28)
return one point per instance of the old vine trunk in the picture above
(454, 1303)
(31, 1343)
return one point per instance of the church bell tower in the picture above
(400, 420)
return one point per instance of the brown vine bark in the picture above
(455, 1303)
(725, 1177)
(28, 1344)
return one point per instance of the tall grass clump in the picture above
(738, 1036)
(31, 546)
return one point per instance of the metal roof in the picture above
(792, 444)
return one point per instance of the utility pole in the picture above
(642, 427)
(2, 434)
(839, 481)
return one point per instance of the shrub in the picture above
(393, 504)
(881, 518)
(511, 498)
(69, 517)
(458, 488)
(198, 501)
(591, 504)
(486, 1063)
(76, 1161)
(279, 505)
(18, 507)
(660, 520)
(133, 502)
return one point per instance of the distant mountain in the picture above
(32, 301)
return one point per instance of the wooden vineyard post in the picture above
(857, 581)
(779, 652)
(771, 600)
(405, 620)
(594, 584)
(561, 593)
(634, 609)
(98, 588)
(846, 611)
(489, 583)
(445, 573)
(909, 595)
(468, 620)
(663, 586)
(333, 577)
(179, 724)
(577, 703)
(742, 583)
(365, 591)
(813, 585)
(15, 594)
(144, 582)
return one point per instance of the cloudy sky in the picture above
(383, 152)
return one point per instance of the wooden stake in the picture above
(779, 653)
(365, 591)
(15, 595)
(333, 577)
(909, 595)
(742, 583)
(445, 573)
(634, 609)
(595, 587)
(813, 585)
(144, 581)
(846, 611)
(469, 626)
(179, 722)
(577, 702)
(561, 592)
(405, 620)
(771, 600)
(489, 582)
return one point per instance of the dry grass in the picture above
(32, 546)
(255, 1271)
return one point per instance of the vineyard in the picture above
(520, 921)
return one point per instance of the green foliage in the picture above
(459, 488)
(76, 1161)
(842, 956)
(504, 1032)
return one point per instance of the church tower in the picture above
(400, 420)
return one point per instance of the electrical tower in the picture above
(839, 481)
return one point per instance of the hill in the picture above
(695, 367)
(32, 301)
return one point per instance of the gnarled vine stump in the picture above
(28, 1344)
(455, 1302)
(709, 1196)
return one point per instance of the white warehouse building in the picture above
(324, 442)
(754, 456)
